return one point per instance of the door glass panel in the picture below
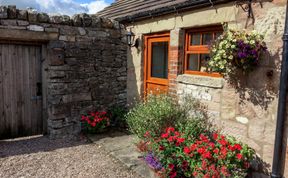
(195, 39)
(193, 62)
(159, 60)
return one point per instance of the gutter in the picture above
(280, 136)
(190, 5)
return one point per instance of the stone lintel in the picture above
(206, 81)
(23, 35)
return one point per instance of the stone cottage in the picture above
(162, 58)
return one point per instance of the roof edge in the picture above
(169, 10)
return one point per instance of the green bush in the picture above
(159, 112)
(117, 115)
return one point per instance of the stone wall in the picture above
(84, 63)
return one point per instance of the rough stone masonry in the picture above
(83, 67)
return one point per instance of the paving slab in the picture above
(122, 147)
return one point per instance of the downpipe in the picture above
(280, 136)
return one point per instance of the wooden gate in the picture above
(20, 90)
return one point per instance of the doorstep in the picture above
(121, 146)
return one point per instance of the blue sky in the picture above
(68, 7)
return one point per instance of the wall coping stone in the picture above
(77, 20)
(205, 81)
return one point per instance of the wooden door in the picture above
(156, 64)
(20, 90)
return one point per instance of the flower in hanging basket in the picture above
(95, 122)
(236, 49)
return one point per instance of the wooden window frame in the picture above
(199, 49)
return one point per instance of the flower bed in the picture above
(208, 155)
(178, 141)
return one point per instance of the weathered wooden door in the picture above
(156, 63)
(20, 90)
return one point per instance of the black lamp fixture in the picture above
(131, 41)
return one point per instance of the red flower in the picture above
(195, 174)
(180, 140)
(237, 147)
(93, 124)
(186, 150)
(147, 134)
(171, 166)
(83, 118)
(224, 171)
(207, 155)
(203, 138)
(239, 156)
(165, 135)
(216, 151)
(184, 164)
(193, 147)
(223, 142)
(173, 174)
(223, 151)
(204, 164)
(246, 165)
(170, 139)
(161, 148)
(170, 129)
(212, 145)
(232, 148)
(201, 150)
(176, 134)
(215, 136)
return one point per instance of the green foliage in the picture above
(117, 115)
(155, 114)
(161, 111)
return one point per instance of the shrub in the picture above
(159, 112)
(155, 114)
(95, 122)
(117, 116)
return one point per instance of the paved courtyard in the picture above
(40, 157)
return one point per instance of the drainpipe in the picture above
(280, 136)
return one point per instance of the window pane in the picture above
(159, 61)
(207, 38)
(204, 58)
(193, 62)
(217, 34)
(195, 39)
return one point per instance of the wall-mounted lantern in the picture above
(131, 41)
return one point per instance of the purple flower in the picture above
(152, 161)
(242, 55)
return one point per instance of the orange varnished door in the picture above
(156, 63)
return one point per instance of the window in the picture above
(197, 50)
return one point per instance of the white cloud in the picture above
(95, 6)
(68, 7)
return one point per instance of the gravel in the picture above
(40, 157)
